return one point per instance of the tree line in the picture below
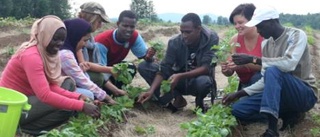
(144, 9)
(34, 8)
(311, 20)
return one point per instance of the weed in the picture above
(10, 50)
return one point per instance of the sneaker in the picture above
(172, 108)
(179, 102)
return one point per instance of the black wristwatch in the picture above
(254, 60)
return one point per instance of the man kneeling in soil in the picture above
(287, 89)
(187, 65)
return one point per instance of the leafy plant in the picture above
(123, 72)
(233, 82)
(158, 46)
(144, 130)
(315, 131)
(10, 50)
(309, 32)
(223, 50)
(116, 112)
(84, 126)
(216, 122)
(165, 86)
(133, 92)
(79, 126)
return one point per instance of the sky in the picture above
(217, 7)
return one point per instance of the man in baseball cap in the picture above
(287, 89)
(95, 8)
(262, 14)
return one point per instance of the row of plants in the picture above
(83, 125)
(13, 22)
(309, 32)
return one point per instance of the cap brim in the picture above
(105, 19)
(252, 23)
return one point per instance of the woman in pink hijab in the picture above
(35, 70)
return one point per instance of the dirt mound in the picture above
(8, 45)
(150, 34)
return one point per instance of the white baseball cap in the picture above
(261, 14)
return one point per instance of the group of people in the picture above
(63, 65)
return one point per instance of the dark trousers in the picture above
(42, 117)
(199, 86)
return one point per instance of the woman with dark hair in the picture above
(246, 41)
(78, 33)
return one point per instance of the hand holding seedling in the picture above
(174, 79)
(91, 110)
(158, 47)
(143, 97)
(150, 53)
(232, 97)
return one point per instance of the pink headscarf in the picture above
(42, 32)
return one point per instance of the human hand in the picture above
(83, 97)
(150, 53)
(84, 66)
(229, 98)
(109, 101)
(232, 66)
(97, 103)
(224, 67)
(241, 59)
(143, 97)
(174, 79)
(91, 110)
(120, 92)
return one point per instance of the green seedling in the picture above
(123, 72)
(165, 86)
(158, 46)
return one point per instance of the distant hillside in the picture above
(176, 17)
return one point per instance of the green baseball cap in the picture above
(95, 8)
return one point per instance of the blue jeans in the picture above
(252, 80)
(85, 92)
(282, 93)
